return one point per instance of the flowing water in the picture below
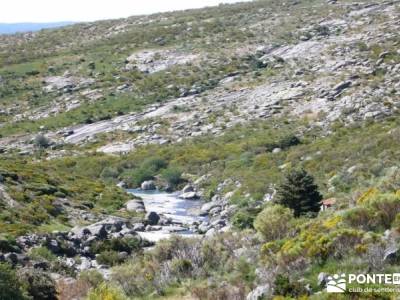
(183, 213)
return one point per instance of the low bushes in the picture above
(283, 286)
(115, 251)
(10, 285)
(110, 258)
(172, 176)
(244, 218)
(360, 217)
(378, 212)
(182, 260)
(316, 240)
(274, 222)
(106, 292)
(134, 175)
(386, 208)
(42, 253)
(125, 244)
(39, 284)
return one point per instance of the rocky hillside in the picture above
(228, 107)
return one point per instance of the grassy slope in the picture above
(25, 62)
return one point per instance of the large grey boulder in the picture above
(135, 205)
(215, 211)
(139, 227)
(204, 227)
(152, 218)
(148, 185)
(16, 258)
(113, 224)
(206, 207)
(188, 188)
(11, 258)
(189, 196)
(79, 232)
(98, 230)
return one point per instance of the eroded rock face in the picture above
(151, 61)
(66, 82)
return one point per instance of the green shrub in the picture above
(40, 253)
(125, 244)
(135, 277)
(137, 176)
(245, 270)
(60, 267)
(289, 141)
(8, 246)
(109, 258)
(154, 164)
(274, 222)
(243, 218)
(386, 208)
(93, 277)
(284, 287)
(360, 217)
(284, 142)
(181, 267)
(39, 284)
(106, 292)
(109, 173)
(41, 141)
(172, 176)
(10, 286)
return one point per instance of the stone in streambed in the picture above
(152, 218)
(148, 185)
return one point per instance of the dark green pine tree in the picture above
(299, 192)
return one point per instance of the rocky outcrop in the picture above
(135, 205)
(148, 185)
(66, 83)
(74, 248)
(151, 61)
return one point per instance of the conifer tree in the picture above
(299, 192)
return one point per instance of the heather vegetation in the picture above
(367, 203)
